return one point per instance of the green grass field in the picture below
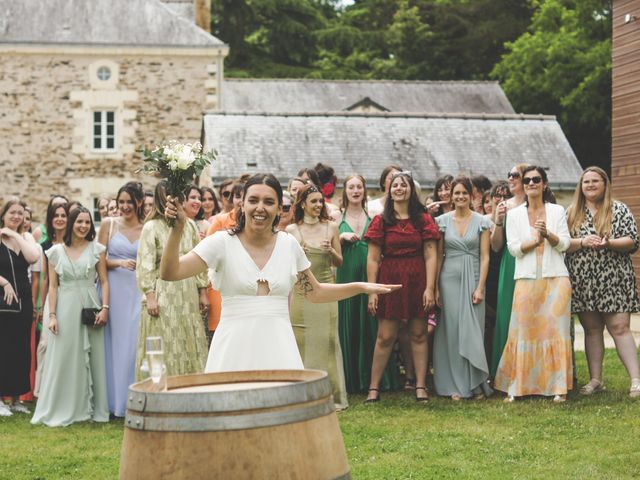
(594, 437)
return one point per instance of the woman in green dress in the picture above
(316, 325)
(506, 283)
(357, 328)
(171, 310)
(74, 381)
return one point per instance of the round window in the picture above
(104, 73)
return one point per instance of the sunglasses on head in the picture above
(513, 175)
(534, 180)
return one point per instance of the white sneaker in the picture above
(4, 410)
(18, 407)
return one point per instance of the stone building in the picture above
(84, 84)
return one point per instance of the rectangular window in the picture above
(104, 130)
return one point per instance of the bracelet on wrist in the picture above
(105, 307)
(52, 315)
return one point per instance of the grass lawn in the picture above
(594, 437)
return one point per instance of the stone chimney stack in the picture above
(197, 11)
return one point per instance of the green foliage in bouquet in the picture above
(178, 163)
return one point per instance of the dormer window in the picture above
(104, 73)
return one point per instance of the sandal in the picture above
(559, 399)
(410, 384)
(374, 399)
(422, 399)
(634, 391)
(509, 399)
(594, 386)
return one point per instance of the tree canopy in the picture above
(551, 56)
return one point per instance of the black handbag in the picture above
(88, 316)
(13, 307)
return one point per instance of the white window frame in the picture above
(103, 136)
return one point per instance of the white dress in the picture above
(255, 332)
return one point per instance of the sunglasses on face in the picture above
(534, 180)
(500, 195)
(226, 193)
(513, 175)
(286, 208)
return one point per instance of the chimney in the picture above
(197, 11)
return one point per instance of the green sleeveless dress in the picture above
(357, 328)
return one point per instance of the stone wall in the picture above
(39, 110)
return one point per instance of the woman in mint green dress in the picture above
(74, 381)
(506, 283)
(357, 328)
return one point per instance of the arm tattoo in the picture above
(304, 283)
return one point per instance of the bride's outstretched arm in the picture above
(317, 292)
(172, 266)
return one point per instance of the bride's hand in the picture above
(379, 288)
(173, 211)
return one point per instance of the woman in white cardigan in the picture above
(537, 357)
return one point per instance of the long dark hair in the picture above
(447, 179)
(547, 194)
(135, 191)
(301, 197)
(385, 172)
(416, 210)
(73, 216)
(216, 204)
(51, 211)
(258, 179)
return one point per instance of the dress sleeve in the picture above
(55, 257)
(441, 222)
(212, 251)
(375, 232)
(562, 231)
(146, 261)
(484, 224)
(626, 225)
(430, 231)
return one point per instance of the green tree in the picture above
(562, 66)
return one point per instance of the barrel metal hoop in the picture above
(229, 401)
(227, 422)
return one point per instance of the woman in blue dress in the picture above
(121, 235)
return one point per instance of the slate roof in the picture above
(428, 145)
(98, 22)
(289, 95)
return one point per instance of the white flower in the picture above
(185, 157)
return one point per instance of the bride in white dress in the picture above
(254, 268)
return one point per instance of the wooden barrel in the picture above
(271, 424)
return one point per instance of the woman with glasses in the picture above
(316, 326)
(604, 236)
(402, 250)
(497, 195)
(537, 357)
(357, 328)
(506, 282)
(226, 198)
(286, 217)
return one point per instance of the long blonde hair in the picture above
(603, 217)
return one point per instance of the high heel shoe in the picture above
(374, 399)
(422, 399)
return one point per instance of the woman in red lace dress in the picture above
(402, 250)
